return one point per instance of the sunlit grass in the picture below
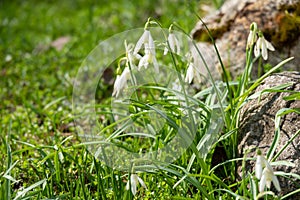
(43, 157)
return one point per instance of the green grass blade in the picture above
(22, 193)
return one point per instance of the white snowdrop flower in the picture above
(262, 46)
(192, 71)
(148, 58)
(134, 181)
(189, 73)
(252, 35)
(259, 165)
(268, 177)
(121, 82)
(146, 38)
(173, 43)
(264, 172)
(131, 57)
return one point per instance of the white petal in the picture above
(117, 87)
(127, 185)
(250, 39)
(137, 56)
(142, 183)
(133, 189)
(149, 45)
(189, 74)
(143, 39)
(174, 43)
(143, 62)
(147, 49)
(131, 59)
(256, 50)
(268, 166)
(124, 77)
(276, 183)
(264, 51)
(268, 184)
(268, 175)
(171, 42)
(258, 167)
(121, 82)
(270, 46)
(165, 50)
(133, 179)
(250, 36)
(150, 42)
(262, 183)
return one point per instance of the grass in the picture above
(42, 155)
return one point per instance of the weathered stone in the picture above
(279, 21)
(257, 126)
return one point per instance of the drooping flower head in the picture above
(123, 76)
(189, 73)
(147, 41)
(148, 58)
(192, 72)
(262, 46)
(134, 182)
(264, 172)
(268, 176)
(260, 164)
(131, 58)
(172, 43)
(252, 35)
(121, 82)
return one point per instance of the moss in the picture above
(202, 35)
(288, 26)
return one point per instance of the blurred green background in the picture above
(35, 71)
(42, 45)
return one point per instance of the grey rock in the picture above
(257, 126)
(230, 26)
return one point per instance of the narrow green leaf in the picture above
(26, 190)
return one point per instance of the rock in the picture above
(278, 20)
(257, 126)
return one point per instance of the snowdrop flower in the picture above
(121, 82)
(259, 165)
(189, 73)
(262, 46)
(252, 35)
(130, 56)
(268, 177)
(148, 58)
(134, 181)
(173, 43)
(264, 172)
(145, 39)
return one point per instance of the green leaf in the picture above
(26, 190)
(292, 97)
